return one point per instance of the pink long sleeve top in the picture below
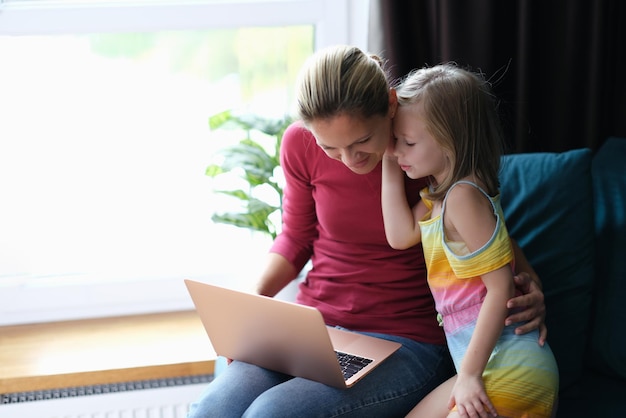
(334, 217)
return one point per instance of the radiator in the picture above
(160, 398)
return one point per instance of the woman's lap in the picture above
(391, 389)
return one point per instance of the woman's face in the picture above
(359, 143)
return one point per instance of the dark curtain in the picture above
(558, 66)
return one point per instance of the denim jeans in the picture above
(390, 390)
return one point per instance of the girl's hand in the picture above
(470, 398)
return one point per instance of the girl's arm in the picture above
(401, 222)
(469, 393)
(469, 218)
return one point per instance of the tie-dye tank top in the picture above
(521, 377)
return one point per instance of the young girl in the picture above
(446, 128)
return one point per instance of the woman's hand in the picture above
(470, 397)
(534, 309)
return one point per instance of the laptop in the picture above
(285, 336)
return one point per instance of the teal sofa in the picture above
(568, 213)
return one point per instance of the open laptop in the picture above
(284, 336)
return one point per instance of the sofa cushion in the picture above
(608, 342)
(547, 201)
(600, 396)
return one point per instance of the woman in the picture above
(332, 215)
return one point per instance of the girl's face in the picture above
(418, 153)
(359, 143)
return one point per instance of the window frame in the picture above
(336, 22)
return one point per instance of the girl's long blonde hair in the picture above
(460, 112)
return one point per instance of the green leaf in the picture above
(249, 122)
(260, 207)
(219, 119)
(239, 194)
(256, 218)
(214, 170)
(271, 127)
(256, 164)
(241, 220)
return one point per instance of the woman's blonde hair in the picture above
(342, 80)
(460, 112)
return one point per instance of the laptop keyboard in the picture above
(351, 364)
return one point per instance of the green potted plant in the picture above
(256, 164)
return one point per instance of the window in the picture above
(104, 141)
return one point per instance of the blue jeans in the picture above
(390, 390)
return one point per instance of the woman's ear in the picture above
(393, 102)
